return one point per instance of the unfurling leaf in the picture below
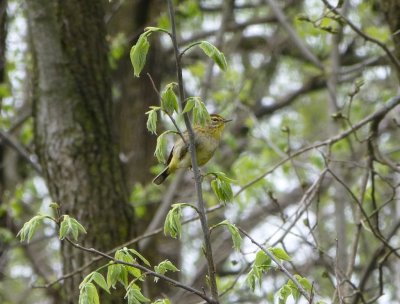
(163, 267)
(70, 227)
(172, 225)
(88, 294)
(211, 51)
(221, 186)
(236, 238)
(161, 146)
(152, 119)
(134, 295)
(139, 52)
(169, 101)
(200, 113)
(280, 253)
(30, 228)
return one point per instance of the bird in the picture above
(206, 141)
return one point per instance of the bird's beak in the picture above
(227, 120)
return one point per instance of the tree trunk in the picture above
(72, 120)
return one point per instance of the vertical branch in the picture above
(195, 167)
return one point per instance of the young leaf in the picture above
(30, 228)
(280, 253)
(123, 255)
(152, 120)
(211, 51)
(88, 294)
(188, 105)
(262, 260)
(113, 273)
(161, 146)
(163, 267)
(134, 295)
(142, 258)
(70, 226)
(251, 279)
(284, 293)
(138, 53)
(236, 238)
(169, 101)
(172, 224)
(200, 113)
(222, 189)
(99, 279)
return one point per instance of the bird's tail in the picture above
(160, 178)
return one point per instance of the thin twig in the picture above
(392, 58)
(280, 265)
(143, 268)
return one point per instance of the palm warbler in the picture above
(206, 141)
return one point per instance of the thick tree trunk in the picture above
(72, 119)
(391, 9)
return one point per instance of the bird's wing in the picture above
(170, 156)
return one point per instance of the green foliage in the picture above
(30, 227)
(279, 253)
(291, 289)
(152, 119)
(172, 224)
(88, 294)
(169, 101)
(139, 52)
(235, 234)
(70, 227)
(221, 186)
(211, 51)
(98, 278)
(163, 267)
(261, 264)
(134, 295)
(200, 113)
(161, 146)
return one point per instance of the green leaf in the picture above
(251, 279)
(163, 267)
(222, 189)
(161, 146)
(189, 104)
(113, 273)
(169, 101)
(280, 253)
(88, 294)
(99, 279)
(134, 295)
(30, 227)
(139, 52)
(152, 120)
(236, 238)
(200, 113)
(123, 255)
(262, 260)
(142, 258)
(284, 293)
(70, 227)
(172, 224)
(211, 51)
